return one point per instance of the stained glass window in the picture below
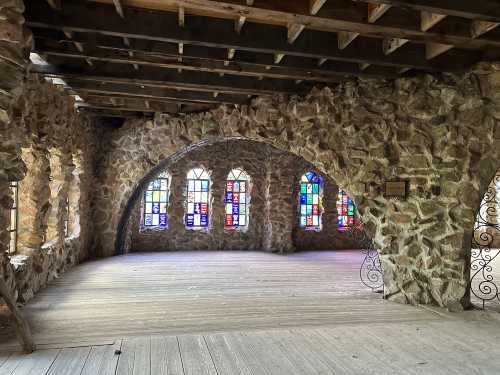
(345, 210)
(13, 217)
(311, 201)
(156, 199)
(237, 199)
(66, 217)
(198, 199)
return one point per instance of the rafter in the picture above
(375, 11)
(143, 25)
(259, 38)
(119, 8)
(315, 6)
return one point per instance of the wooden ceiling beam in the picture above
(131, 90)
(315, 6)
(119, 8)
(375, 11)
(486, 10)
(151, 25)
(155, 77)
(192, 64)
(152, 30)
(107, 47)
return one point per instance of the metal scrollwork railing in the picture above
(370, 271)
(485, 249)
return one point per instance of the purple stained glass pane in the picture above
(229, 197)
(236, 209)
(197, 208)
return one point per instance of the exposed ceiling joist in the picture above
(195, 81)
(259, 38)
(145, 25)
(119, 8)
(315, 6)
(486, 10)
(375, 11)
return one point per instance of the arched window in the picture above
(155, 204)
(198, 199)
(311, 201)
(345, 210)
(237, 199)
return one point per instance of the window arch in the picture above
(346, 211)
(155, 203)
(311, 201)
(237, 199)
(197, 199)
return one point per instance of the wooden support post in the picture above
(119, 8)
(238, 24)
(315, 6)
(375, 11)
(481, 27)
(433, 50)
(428, 20)
(21, 325)
(294, 31)
(389, 45)
(345, 38)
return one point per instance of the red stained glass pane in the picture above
(229, 186)
(229, 220)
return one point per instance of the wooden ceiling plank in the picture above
(144, 29)
(261, 39)
(315, 6)
(375, 11)
(429, 20)
(119, 8)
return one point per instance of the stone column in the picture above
(15, 44)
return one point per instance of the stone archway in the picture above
(424, 130)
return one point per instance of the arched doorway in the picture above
(485, 249)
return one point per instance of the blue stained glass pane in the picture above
(303, 221)
(156, 185)
(148, 220)
(236, 220)
(204, 185)
(189, 220)
(309, 175)
(197, 208)
(303, 198)
(204, 220)
(163, 220)
(315, 188)
(236, 209)
(229, 197)
(156, 208)
(309, 210)
(236, 187)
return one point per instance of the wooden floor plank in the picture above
(36, 363)
(165, 356)
(70, 361)
(12, 362)
(196, 358)
(226, 360)
(135, 357)
(102, 360)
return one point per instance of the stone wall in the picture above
(439, 133)
(57, 146)
(275, 225)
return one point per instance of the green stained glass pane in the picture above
(309, 199)
(303, 188)
(316, 188)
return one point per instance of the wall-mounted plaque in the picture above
(395, 189)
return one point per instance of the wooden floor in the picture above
(241, 313)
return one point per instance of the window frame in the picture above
(198, 174)
(244, 177)
(311, 177)
(13, 224)
(161, 176)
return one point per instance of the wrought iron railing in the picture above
(370, 271)
(484, 249)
